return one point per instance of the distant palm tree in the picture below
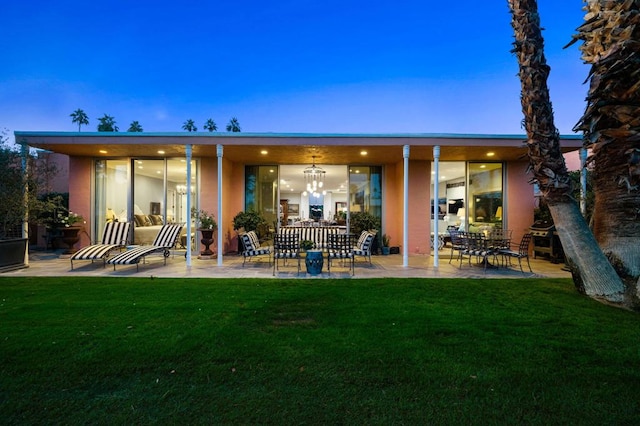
(233, 125)
(107, 124)
(135, 127)
(80, 117)
(210, 125)
(189, 126)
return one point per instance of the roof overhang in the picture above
(292, 148)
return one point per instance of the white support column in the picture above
(435, 230)
(25, 175)
(583, 181)
(405, 202)
(219, 152)
(188, 153)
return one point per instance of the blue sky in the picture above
(280, 66)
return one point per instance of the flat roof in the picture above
(295, 147)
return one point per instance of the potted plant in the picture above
(207, 226)
(306, 245)
(386, 239)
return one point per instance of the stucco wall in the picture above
(419, 207)
(80, 194)
(519, 199)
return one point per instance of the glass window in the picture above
(485, 194)
(261, 191)
(155, 195)
(451, 196)
(111, 181)
(365, 189)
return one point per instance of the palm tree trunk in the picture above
(611, 126)
(592, 273)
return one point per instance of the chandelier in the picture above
(314, 178)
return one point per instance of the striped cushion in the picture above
(318, 234)
(251, 242)
(116, 233)
(365, 241)
(286, 254)
(340, 254)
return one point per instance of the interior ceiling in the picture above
(292, 176)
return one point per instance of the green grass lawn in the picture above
(389, 351)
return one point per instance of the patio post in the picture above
(24, 151)
(435, 230)
(405, 204)
(219, 151)
(188, 154)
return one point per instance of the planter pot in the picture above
(386, 251)
(12, 254)
(70, 236)
(314, 262)
(207, 240)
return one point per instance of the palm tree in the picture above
(135, 127)
(189, 126)
(107, 124)
(233, 125)
(80, 117)
(611, 126)
(210, 125)
(592, 273)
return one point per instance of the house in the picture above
(414, 182)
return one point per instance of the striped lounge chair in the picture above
(252, 247)
(115, 236)
(165, 240)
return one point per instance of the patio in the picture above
(53, 263)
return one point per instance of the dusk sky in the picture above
(286, 66)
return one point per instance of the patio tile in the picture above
(53, 264)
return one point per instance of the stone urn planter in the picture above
(71, 236)
(206, 240)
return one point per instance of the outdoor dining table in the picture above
(483, 245)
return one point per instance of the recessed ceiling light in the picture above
(363, 152)
(484, 166)
(270, 170)
(264, 152)
(490, 154)
(103, 151)
(161, 152)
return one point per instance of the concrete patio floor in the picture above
(53, 263)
